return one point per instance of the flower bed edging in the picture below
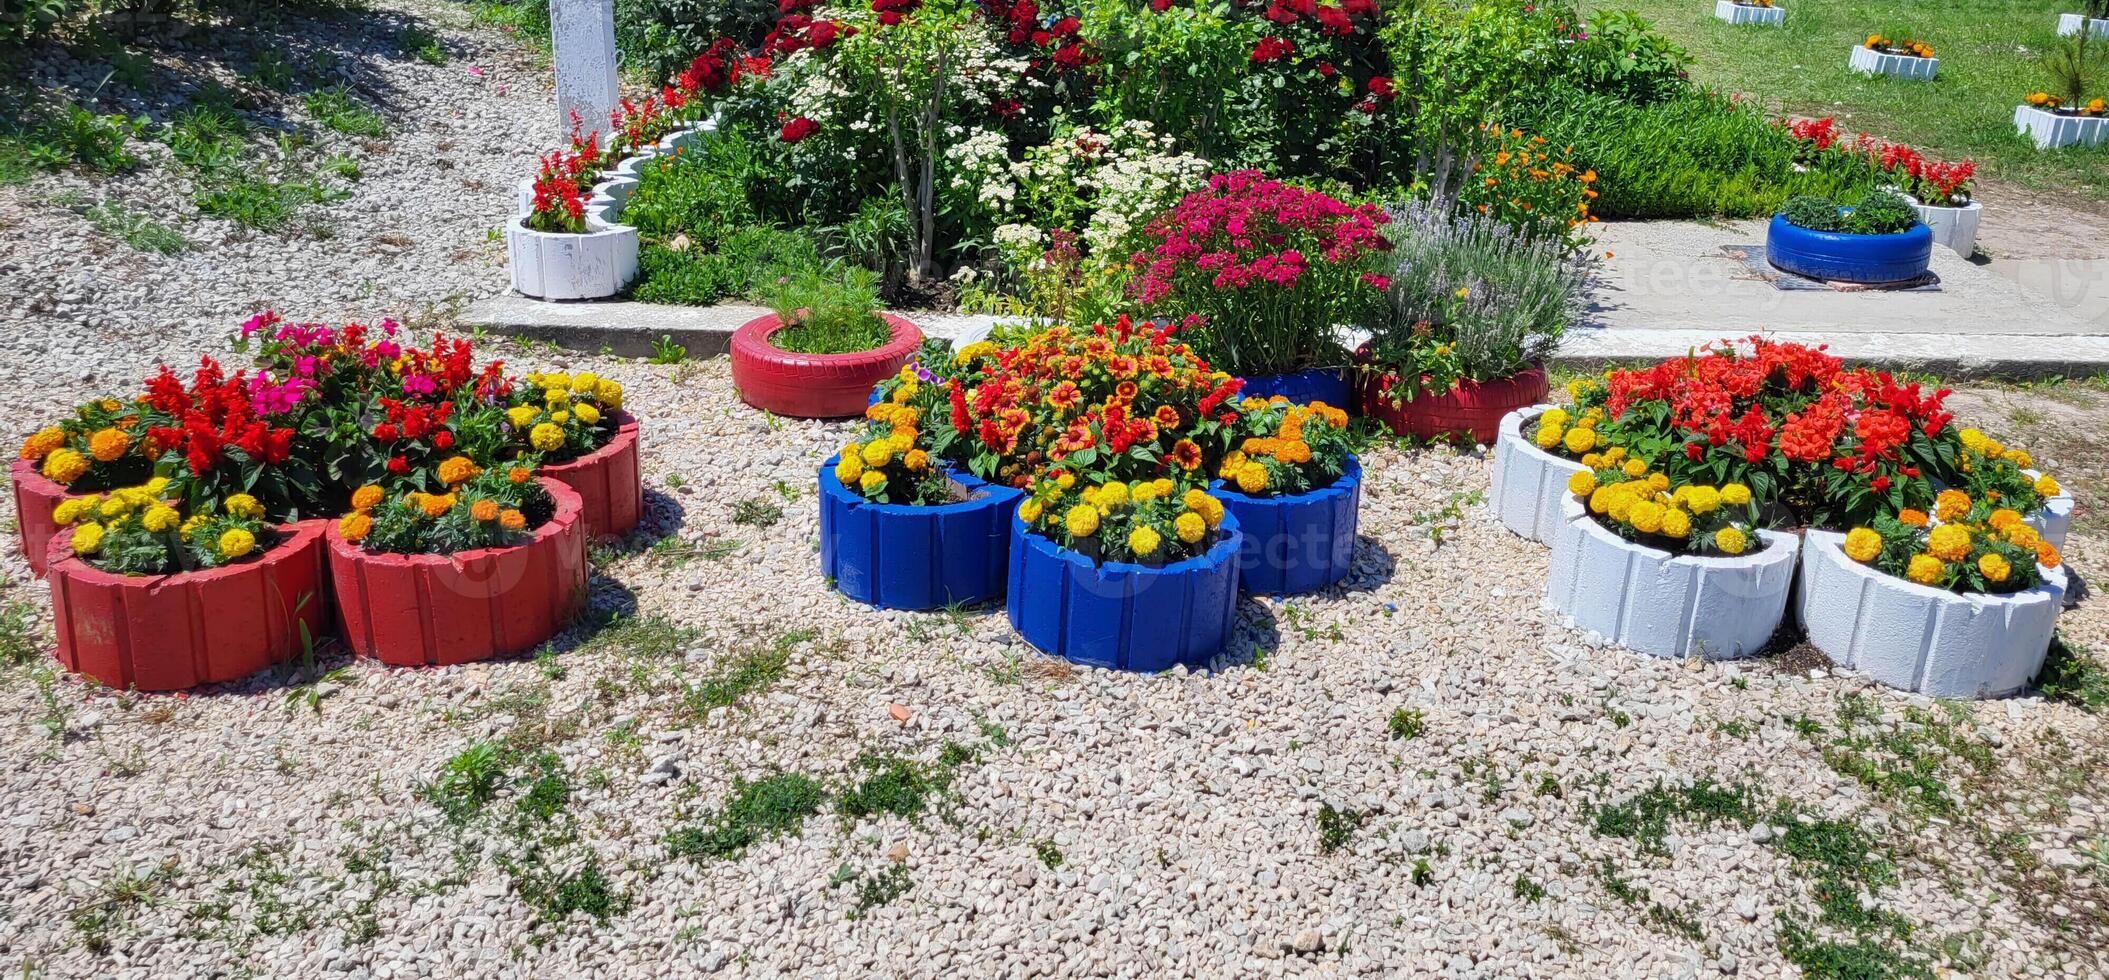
(1918, 638)
(1955, 228)
(1328, 385)
(1839, 256)
(2069, 24)
(814, 385)
(899, 556)
(1869, 61)
(609, 482)
(2051, 130)
(1472, 408)
(429, 610)
(1736, 13)
(173, 632)
(35, 497)
(1122, 616)
(1298, 543)
(1530, 484)
(1718, 607)
(2054, 518)
(592, 264)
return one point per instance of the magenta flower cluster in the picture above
(1247, 229)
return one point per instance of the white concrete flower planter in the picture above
(2069, 24)
(1530, 484)
(2051, 131)
(1736, 13)
(1954, 227)
(2054, 518)
(593, 264)
(1918, 638)
(1869, 61)
(1666, 605)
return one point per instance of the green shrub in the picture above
(1814, 213)
(701, 193)
(664, 35)
(690, 277)
(1882, 213)
(1624, 57)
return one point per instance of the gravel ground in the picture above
(1417, 773)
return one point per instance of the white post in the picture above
(582, 34)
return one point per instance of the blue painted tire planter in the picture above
(1123, 616)
(1299, 543)
(1328, 385)
(900, 556)
(1842, 257)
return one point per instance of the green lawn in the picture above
(1988, 51)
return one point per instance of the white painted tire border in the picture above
(600, 261)
(1955, 228)
(1918, 638)
(1736, 13)
(2069, 24)
(1665, 605)
(1529, 483)
(2051, 131)
(1869, 61)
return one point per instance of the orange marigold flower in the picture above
(107, 445)
(456, 470)
(511, 520)
(436, 505)
(355, 526)
(1915, 518)
(519, 474)
(484, 510)
(366, 498)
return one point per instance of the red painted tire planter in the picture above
(1472, 408)
(814, 386)
(609, 483)
(420, 610)
(171, 632)
(35, 497)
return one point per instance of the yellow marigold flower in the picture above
(546, 437)
(1635, 468)
(1112, 494)
(877, 453)
(65, 465)
(1192, 498)
(1645, 516)
(1252, 478)
(1925, 569)
(456, 470)
(1579, 441)
(1735, 494)
(1676, 524)
(1948, 542)
(1700, 498)
(1211, 510)
(87, 539)
(1555, 417)
(872, 481)
(115, 505)
(1659, 481)
(556, 381)
(355, 526)
(585, 383)
(41, 444)
(189, 525)
(1614, 455)
(586, 413)
(1082, 521)
(848, 470)
(244, 505)
(484, 510)
(235, 543)
(108, 444)
(1913, 518)
(916, 460)
(1600, 500)
(1191, 527)
(1065, 481)
(72, 509)
(2047, 487)
(2020, 457)
(511, 519)
(1862, 544)
(1582, 483)
(1548, 436)
(1731, 541)
(1029, 511)
(160, 518)
(560, 417)
(609, 395)
(1592, 461)
(1994, 567)
(521, 416)
(1972, 439)
(1143, 540)
(1951, 505)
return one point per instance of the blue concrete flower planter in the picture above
(1328, 385)
(1841, 257)
(1123, 616)
(1300, 543)
(900, 556)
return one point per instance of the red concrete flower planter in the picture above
(171, 632)
(431, 610)
(608, 481)
(815, 386)
(35, 497)
(1471, 408)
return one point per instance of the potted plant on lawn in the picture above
(493, 564)
(1268, 272)
(1750, 12)
(898, 528)
(103, 446)
(1475, 308)
(574, 423)
(146, 598)
(819, 354)
(1907, 57)
(1139, 575)
(1669, 572)
(1962, 606)
(2094, 19)
(560, 251)
(1295, 490)
(1879, 242)
(2064, 114)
